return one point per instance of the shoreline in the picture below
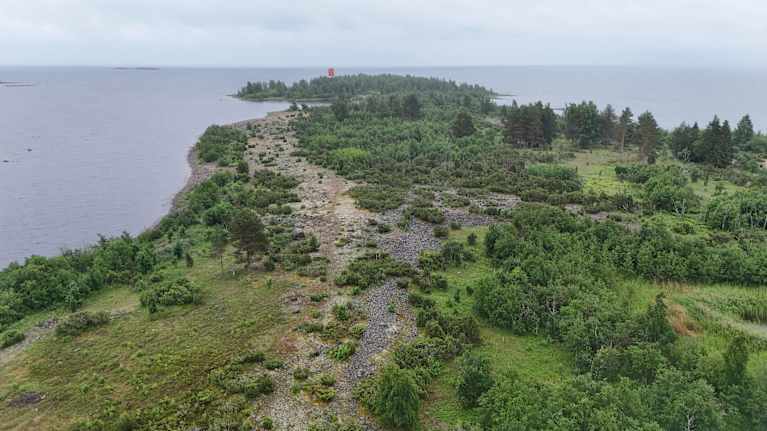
(200, 171)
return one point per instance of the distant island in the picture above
(136, 68)
(17, 84)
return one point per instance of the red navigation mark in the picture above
(331, 72)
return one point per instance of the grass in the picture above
(136, 360)
(597, 168)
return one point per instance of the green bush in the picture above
(301, 374)
(77, 323)
(273, 364)
(358, 330)
(251, 357)
(177, 292)
(474, 379)
(441, 232)
(342, 311)
(9, 338)
(370, 269)
(343, 351)
(396, 402)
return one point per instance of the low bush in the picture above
(178, 292)
(77, 323)
(251, 357)
(370, 269)
(9, 338)
(377, 197)
(358, 330)
(273, 364)
(474, 379)
(301, 374)
(343, 351)
(441, 232)
(395, 400)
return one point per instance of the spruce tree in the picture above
(625, 124)
(744, 132)
(609, 125)
(411, 107)
(462, 125)
(648, 137)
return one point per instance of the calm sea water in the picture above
(99, 150)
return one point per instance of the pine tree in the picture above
(625, 124)
(716, 144)
(648, 137)
(248, 235)
(462, 125)
(411, 107)
(744, 132)
(609, 125)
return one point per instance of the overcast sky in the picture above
(383, 33)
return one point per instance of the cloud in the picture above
(375, 33)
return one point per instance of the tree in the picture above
(582, 124)
(654, 325)
(248, 235)
(648, 137)
(219, 239)
(462, 125)
(340, 108)
(411, 107)
(744, 133)
(396, 400)
(529, 126)
(735, 362)
(474, 378)
(683, 142)
(609, 125)
(716, 144)
(625, 126)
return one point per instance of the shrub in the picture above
(454, 254)
(254, 385)
(342, 311)
(267, 423)
(427, 214)
(396, 401)
(343, 351)
(474, 378)
(251, 357)
(9, 338)
(370, 269)
(77, 323)
(439, 282)
(377, 197)
(301, 374)
(383, 228)
(472, 239)
(441, 232)
(273, 364)
(178, 292)
(358, 330)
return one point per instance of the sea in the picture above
(99, 150)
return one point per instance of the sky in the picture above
(295, 33)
